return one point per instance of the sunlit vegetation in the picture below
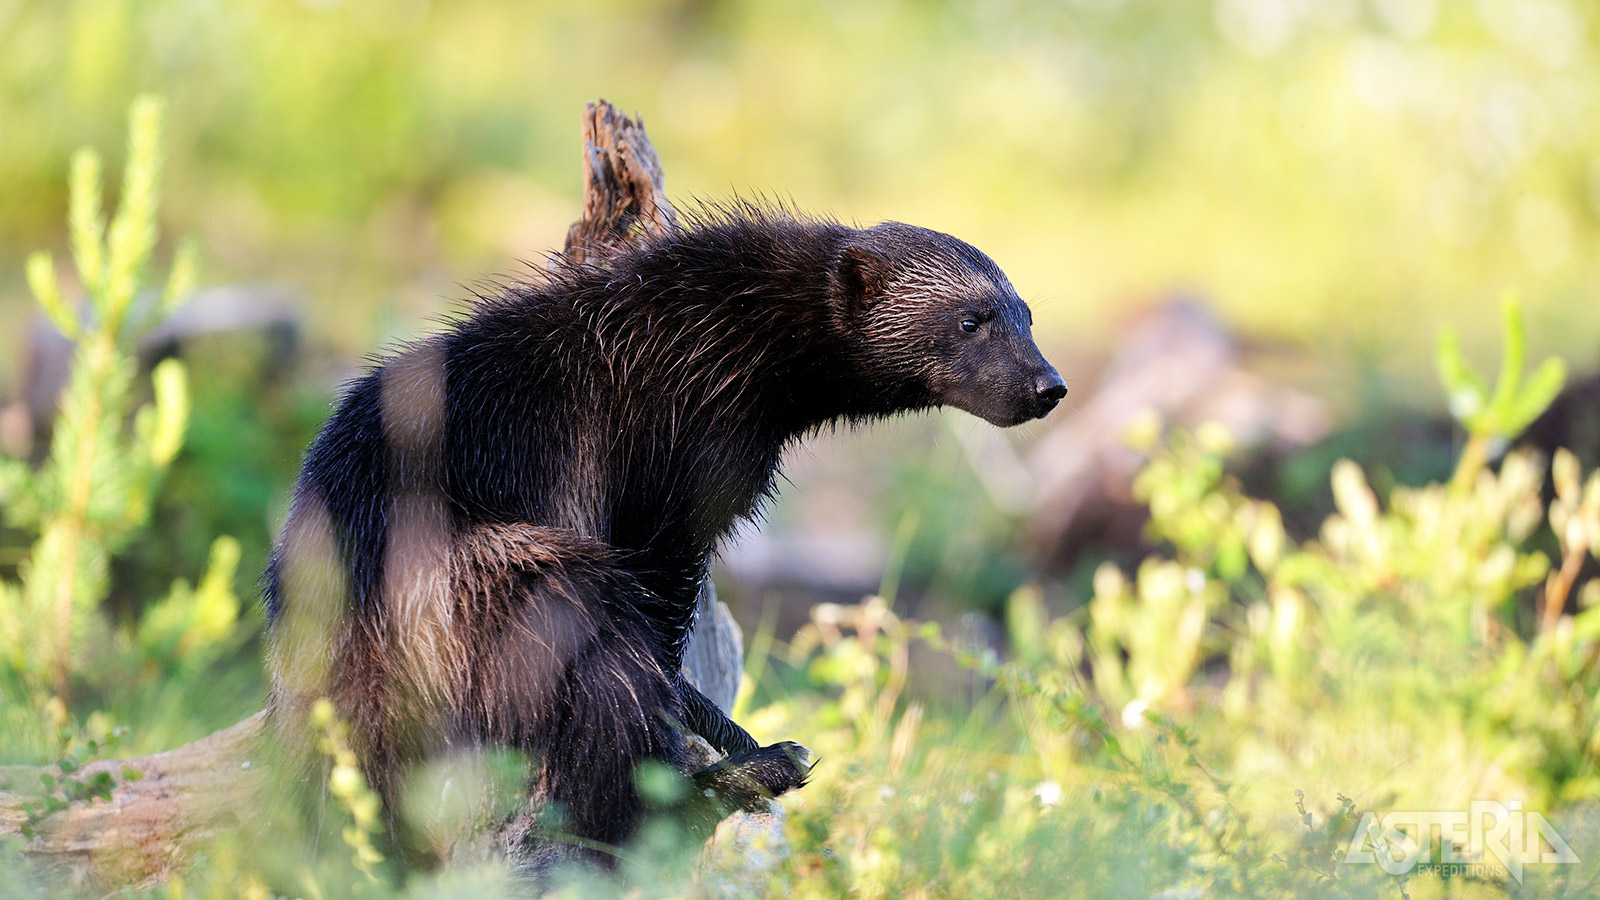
(1311, 167)
(1221, 717)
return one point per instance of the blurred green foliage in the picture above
(94, 491)
(1492, 419)
(1210, 723)
(1351, 172)
(1164, 740)
(250, 418)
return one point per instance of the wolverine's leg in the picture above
(749, 772)
(707, 719)
(616, 714)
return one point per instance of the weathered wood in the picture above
(149, 826)
(186, 796)
(623, 194)
(714, 660)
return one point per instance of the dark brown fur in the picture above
(499, 536)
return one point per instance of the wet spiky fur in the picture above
(499, 536)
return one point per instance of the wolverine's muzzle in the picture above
(1048, 391)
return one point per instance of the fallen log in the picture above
(180, 799)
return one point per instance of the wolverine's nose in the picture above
(1049, 389)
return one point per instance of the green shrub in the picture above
(93, 493)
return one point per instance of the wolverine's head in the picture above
(939, 315)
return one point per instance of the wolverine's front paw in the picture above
(800, 759)
(747, 780)
(777, 768)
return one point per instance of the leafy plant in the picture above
(67, 784)
(1493, 417)
(1390, 643)
(94, 491)
(349, 787)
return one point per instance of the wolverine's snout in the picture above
(1048, 391)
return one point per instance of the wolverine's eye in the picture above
(970, 326)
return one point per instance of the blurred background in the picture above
(1322, 184)
(1258, 213)
(1322, 172)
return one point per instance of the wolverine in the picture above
(499, 536)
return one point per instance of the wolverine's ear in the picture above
(859, 278)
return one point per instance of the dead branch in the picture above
(623, 196)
